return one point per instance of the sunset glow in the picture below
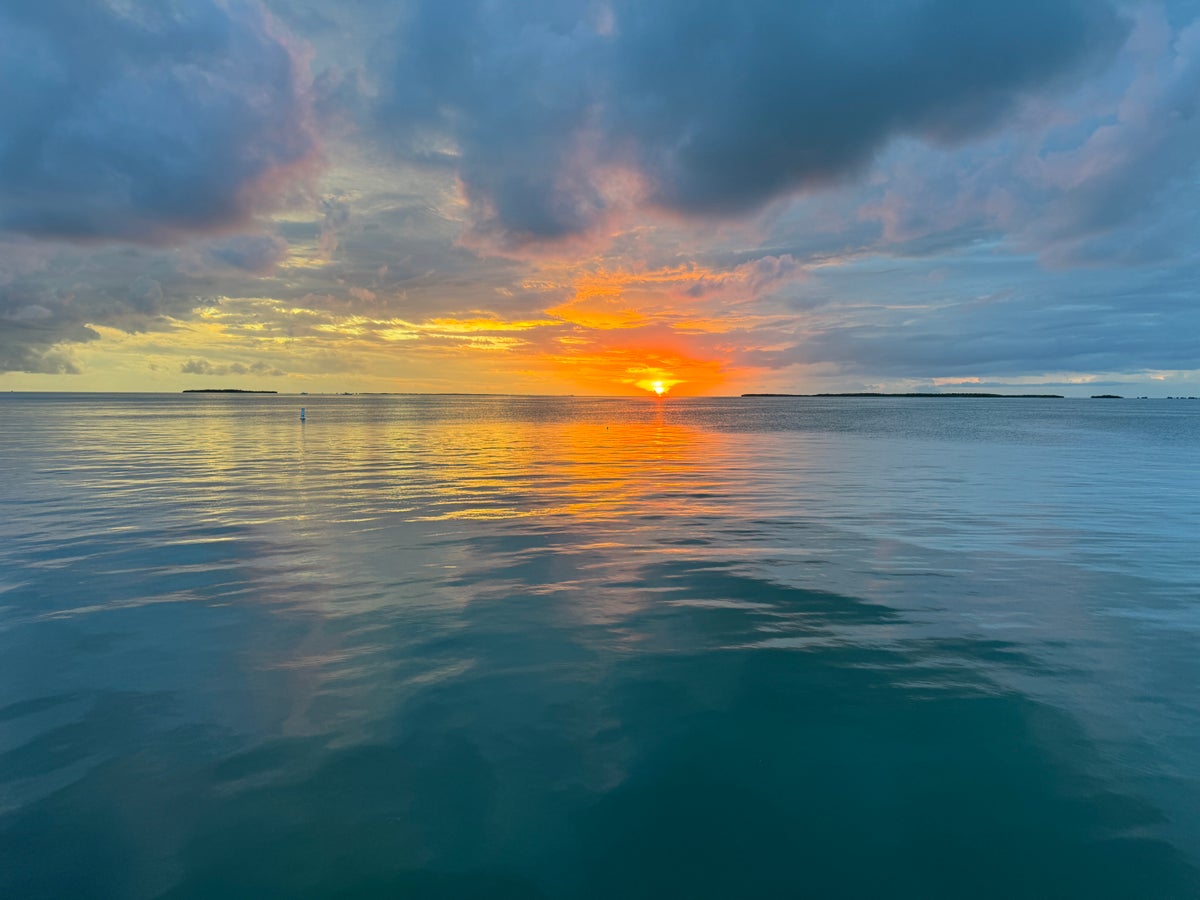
(599, 448)
(529, 226)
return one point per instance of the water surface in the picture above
(565, 647)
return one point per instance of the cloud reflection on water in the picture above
(674, 672)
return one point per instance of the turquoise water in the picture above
(565, 648)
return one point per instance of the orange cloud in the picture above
(654, 329)
(678, 330)
(640, 364)
(687, 297)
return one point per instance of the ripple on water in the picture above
(449, 647)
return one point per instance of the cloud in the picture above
(32, 321)
(553, 115)
(1106, 175)
(335, 216)
(204, 367)
(729, 107)
(145, 294)
(143, 121)
(1061, 321)
(255, 253)
(1131, 170)
(764, 186)
(689, 297)
(51, 295)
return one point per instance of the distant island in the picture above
(948, 394)
(224, 391)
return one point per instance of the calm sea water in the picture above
(565, 648)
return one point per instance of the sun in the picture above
(655, 382)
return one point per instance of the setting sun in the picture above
(656, 382)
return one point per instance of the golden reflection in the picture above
(593, 470)
(356, 462)
(474, 460)
(366, 505)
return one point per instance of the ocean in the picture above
(517, 647)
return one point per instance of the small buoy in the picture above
(302, 414)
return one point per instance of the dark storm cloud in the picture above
(720, 107)
(145, 120)
(730, 105)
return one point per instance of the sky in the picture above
(703, 197)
